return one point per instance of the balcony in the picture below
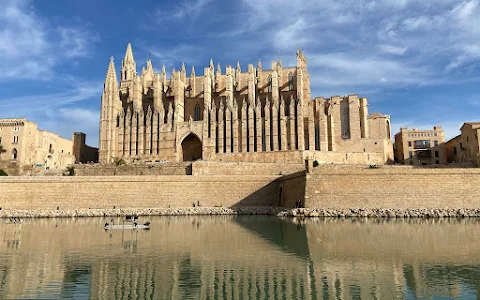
(421, 144)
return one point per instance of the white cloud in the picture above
(181, 10)
(393, 49)
(30, 48)
(29, 104)
(76, 42)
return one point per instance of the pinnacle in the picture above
(111, 73)
(149, 64)
(129, 54)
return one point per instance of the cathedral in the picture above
(256, 115)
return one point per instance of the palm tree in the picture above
(118, 161)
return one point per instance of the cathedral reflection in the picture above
(244, 257)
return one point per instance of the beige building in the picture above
(263, 114)
(25, 145)
(420, 147)
(464, 148)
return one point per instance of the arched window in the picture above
(270, 83)
(196, 112)
(14, 154)
(290, 82)
(388, 129)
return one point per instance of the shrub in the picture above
(315, 164)
(3, 173)
(373, 167)
(71, 171)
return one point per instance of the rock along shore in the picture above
(382, 213)
(274, 211)
(188, 211)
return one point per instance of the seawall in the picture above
(326, 191)
(392, 188)
(107, 192)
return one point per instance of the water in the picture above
(244, 257)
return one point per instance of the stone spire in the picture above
(192, 74)
(129, 53)
(183, 73)
(148, 72)
(219, 69)
(211, 65)
(129, 67)
(259, 65)
(238, 70)
(163, 69)
(149, 65)
(111, 74)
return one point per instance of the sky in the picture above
(417, 61)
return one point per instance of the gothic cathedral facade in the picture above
(261, 115)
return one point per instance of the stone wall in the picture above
(245, 168)
(189, 168)
(292, 189)
(392, 187)
(137, 192)
(133, 169)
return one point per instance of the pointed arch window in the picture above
(270, 83)
(290, 81)
(196, 112)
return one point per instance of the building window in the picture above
(290, 82)
(196, 112)
(467, 138)
(410, 154)
(388, 130)
(14, 154)
(15, 139)
(435, 143)
(420, 144)
(436, 153)
(455, 150)
(50, 150)
(434, 134)
(270, 83)
(409, 144)
(437, 162)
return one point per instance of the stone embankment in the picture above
(49, 213)
(278, 211)
(381, 213)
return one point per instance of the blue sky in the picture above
(418, 61)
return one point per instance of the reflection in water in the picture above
(241, 257)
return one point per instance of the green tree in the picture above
(118, 162)
(2, 150)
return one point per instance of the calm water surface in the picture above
(243, 257)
